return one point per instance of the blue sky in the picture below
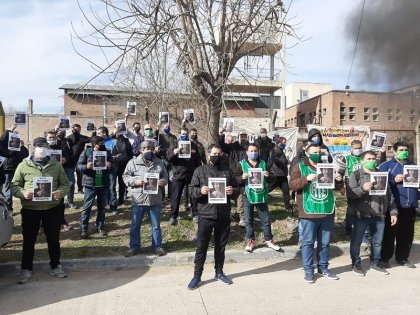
(37, 57)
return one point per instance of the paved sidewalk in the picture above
(272, 286)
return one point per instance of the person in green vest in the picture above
(352, 164)
(316, 212)
(256, 197)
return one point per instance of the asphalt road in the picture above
(260, 287)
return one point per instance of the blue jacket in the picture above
(404, 196)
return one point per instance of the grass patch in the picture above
(179, 238)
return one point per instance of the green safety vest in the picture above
(256, 195)
(353, 163)
(316, 200)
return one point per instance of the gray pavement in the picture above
(264, 283)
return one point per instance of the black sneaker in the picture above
(309, 278)
(384, 264)
(358, 271)
(328, 274)
(194, 283)
(84, 235)
(222, 277)
(406, 263)
(379, 269)
(173, 221)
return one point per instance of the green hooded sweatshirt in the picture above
(23, 181)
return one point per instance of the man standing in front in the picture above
(369, 212)
(316, 213)
(34, 212)
(406, 199)
(212, 217)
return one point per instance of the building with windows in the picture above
(395, 113)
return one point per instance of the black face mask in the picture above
(75, 132)
(102, 147)
(216, 160)
(193, 137)
(137, 129)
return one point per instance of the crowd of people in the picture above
(213, 181)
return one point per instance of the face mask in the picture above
(148, 155)
(40, 152)
(356, 152)
(166, 130)
(252, 155)
(74, 131)
(316, 158)
(263, 135)
(52, 142)
(316, 140)
(183, 138)
(194, 137)
(148, 133)
(136, 129)
(102, 147)
(402, 155)
(216, 160)
(370, 165)
(282, 145)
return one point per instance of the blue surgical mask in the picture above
(167, 130)
(282, 145)
(149, 155)
(252, 155)
(183, 137)
(316, 140)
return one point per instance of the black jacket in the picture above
(124, 153)
(77, 144)
(66, 153)
(278, 162)
(265, 145)
(184, 168)
(235, 151)
(201, 178)
(88, 179)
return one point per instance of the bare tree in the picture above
(204, 39)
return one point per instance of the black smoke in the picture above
(388, 51)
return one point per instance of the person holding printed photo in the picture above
(34, 212)
(370, 212)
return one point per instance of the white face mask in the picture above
(52, 142)
(41, 152)
(357, 152)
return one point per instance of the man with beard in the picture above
(265, 144)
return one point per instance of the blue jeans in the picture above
(319, 230)
(71, 180)
(112, 193)
(137, 213)
(376, 227)
(7, 192)
(262, 209)
(101, 195)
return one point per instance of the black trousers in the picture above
(79, 176)
(178, 186)
(402, 232)
(281, 181)
(51, 222)
(221, 228)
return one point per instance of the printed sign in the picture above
(217, 190)
(42, 189)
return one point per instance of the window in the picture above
(324, 111)
(398, 111)
(375, 111)
(366, 110)
(389, 147)
(375, 117)
(73, 112)
(389, 114)
(366, 117)
(397, 118)
(352, 116)
(342, 108)
(412, 115)
(389, 117)
(310, 118)
(342, 117)
(304, 95)
(352, 110)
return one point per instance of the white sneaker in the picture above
(242, 223)
(250, 246)
(25, 275)
(271, 244)
(58, 272)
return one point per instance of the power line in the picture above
(355, 45)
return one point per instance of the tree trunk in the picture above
(214, 109)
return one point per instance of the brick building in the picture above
(396, 113)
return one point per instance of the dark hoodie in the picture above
(314, 132)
